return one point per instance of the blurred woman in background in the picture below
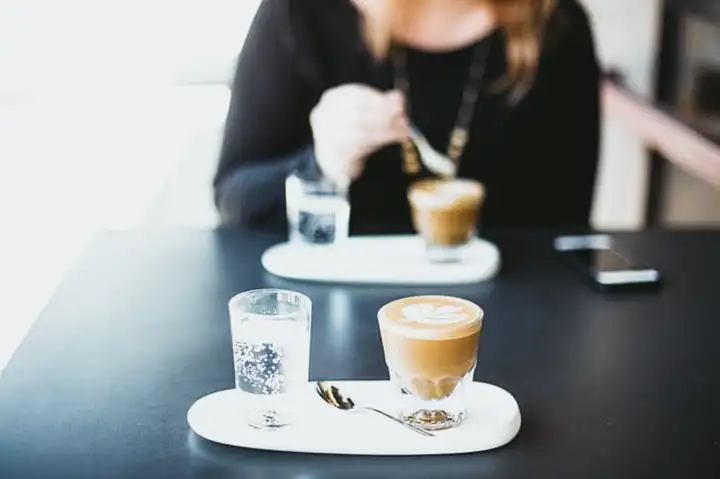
(509, 88)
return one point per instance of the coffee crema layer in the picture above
(445, 212)
(430, 342)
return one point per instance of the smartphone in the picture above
(607, 268)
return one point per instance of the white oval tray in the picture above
(380, 260)
(493, 420)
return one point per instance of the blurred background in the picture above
(111, 113)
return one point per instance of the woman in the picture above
(334, 85)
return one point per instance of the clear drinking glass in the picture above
(271, 351)
(318, 211)
(430, 345)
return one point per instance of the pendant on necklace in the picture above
(411, 163)
(458, 141)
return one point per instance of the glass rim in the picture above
(304, 299)
(322, 184)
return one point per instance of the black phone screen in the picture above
(607, 268)
(601, 260)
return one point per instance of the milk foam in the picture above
(431, 317)
(444, 193)
(429, 313)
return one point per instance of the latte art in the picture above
(431, 317)
(429, 313)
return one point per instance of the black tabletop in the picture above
(609, 387)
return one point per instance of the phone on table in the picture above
(607, 268)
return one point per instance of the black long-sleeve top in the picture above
(537, 156)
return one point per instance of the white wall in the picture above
(627, 34)
(52, 45)
(96, 119)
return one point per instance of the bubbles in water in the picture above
(259, 367)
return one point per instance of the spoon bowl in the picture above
(332, 396)
(434, 161)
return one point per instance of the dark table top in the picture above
(609, 387)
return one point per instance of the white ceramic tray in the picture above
(493, 420)
(380, 260)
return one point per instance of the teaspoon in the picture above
(435, 162)
(335, 398)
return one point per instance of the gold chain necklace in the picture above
(461, 131)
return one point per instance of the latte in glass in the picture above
(445, 213)
(430, 345)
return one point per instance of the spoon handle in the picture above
(409, 426)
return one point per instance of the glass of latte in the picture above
(445, 214)
(430, 345)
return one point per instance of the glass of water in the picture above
(318, 211)
(271, 350)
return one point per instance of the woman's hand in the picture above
(352, 121)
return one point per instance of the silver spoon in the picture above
(435, 162)
(335, 398)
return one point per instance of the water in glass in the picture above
(318, 212)
(271, 355)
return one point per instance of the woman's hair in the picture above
(523, 22)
